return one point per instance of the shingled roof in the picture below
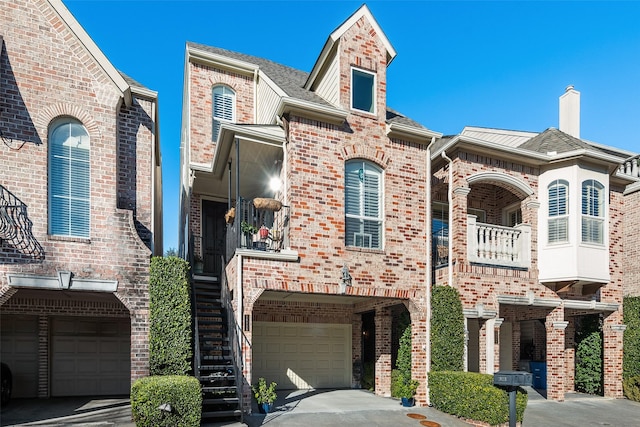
(292, 81)
(554, 140)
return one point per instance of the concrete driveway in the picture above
(318, 408)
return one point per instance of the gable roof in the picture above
(555, 141)
(290, 80)
(329, 46)
(93, 49)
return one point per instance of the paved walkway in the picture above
(319, 408)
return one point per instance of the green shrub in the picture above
(369, 376)
(631, 387)
(631, 359)
(182, 393)
(169, 317)
(473, 396)
(447, 330)
(589, 364)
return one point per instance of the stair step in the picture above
(220, 400)
(221, 389)
(216, 358)
(221, 414)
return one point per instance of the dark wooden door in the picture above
(214, 236)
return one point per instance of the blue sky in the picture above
(494, 64)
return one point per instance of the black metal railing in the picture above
(440, 247)
(259, 224)
(15, 225)
(238, 341)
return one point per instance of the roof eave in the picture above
(403, 131)
(201, 56)
(312, 110)
(535, 158)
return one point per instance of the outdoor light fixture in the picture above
(345, 280)
(275, 184)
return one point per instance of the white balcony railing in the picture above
(498, 245)
(631, 167)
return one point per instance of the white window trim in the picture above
(374, 90)
(600, 219)
(213, 109)
(565, 216)
(381, 207)
(508, 210)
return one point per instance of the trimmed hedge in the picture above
(589, 364)
(631, 387)
(447, 330)
(182, 393)
(169, 317)
(631, 363)
(473, 396)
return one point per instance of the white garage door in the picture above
(302, 355)
(90, 357)
(19, 347)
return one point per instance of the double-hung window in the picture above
(363, 204)
(363, 91)
(558, 231)
(592, 212)
(224, 108)
(69, 179)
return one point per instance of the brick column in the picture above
(613, 333)
(458, 225)
(570, 355)
(418, 350)
(555, 326)
(43, 357)
(139, 344)
(497, 322)
(383, 352)
(356, 350)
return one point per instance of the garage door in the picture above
(302, 355)
(90, 357)
(19, 346)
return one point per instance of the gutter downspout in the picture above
(450, 201)
(239, 266)
(429, 267)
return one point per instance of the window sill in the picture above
(365, 250)
(57, 238)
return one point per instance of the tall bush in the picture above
(447, 330)
(169, 317)
(631, 363)
(588, 376)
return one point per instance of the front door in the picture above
(214, 231)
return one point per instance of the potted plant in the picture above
(248, 230)
(407, 390)
(265, 395)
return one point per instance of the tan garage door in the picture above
(19, 346)
(302, 355)
(90, 357)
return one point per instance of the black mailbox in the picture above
(512, 378)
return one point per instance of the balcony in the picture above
(260, 225)
(497, 245)
(631, 167)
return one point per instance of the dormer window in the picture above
(363, 95)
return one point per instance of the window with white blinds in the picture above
(363, 204)
(69, 179)
(224, 102)
(592, 212)
(558, 231)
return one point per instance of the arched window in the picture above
(69, 179)
(558, 231)
(592, 212)
(363, 204)
(224, 108)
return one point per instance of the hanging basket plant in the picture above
(267, 204)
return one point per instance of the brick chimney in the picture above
(570, 112)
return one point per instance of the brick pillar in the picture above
(497, 322)
(570, 355)
(418, 350)
(613, 332)
(356, 350)
(458, 225)
(139, 344)
(555, 326)
(383, 352)
(43, 357)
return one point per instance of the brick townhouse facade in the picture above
(80, 208)
(372, 209)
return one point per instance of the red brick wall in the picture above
(631, 257)
(46, 74)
